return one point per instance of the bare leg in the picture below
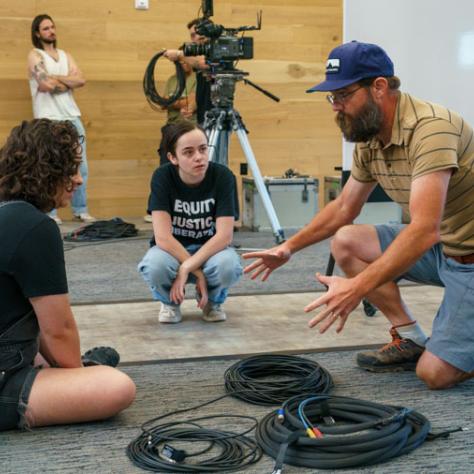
(61, 396)
(356, 246)
(439, 374)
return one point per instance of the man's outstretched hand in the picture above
(340, 300)
(267, 261)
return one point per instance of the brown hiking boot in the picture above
(396, 356)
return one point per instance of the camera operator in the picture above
(198, 63)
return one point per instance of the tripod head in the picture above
(223, 87)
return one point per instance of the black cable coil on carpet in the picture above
(149, 88)
(271, 379)
(114, 228)
(326, 432)
(223, 451)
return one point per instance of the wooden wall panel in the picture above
(113, 43)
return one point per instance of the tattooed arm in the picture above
(46, 83)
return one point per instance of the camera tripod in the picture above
(220, 122)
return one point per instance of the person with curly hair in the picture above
(42, 377)
(53, 76)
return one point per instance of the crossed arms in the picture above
(51, 83)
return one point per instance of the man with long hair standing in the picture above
(53, 75)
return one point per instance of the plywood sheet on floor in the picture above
(259, 323)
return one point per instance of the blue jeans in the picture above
(79, 198)
(452, 335)
(159, 269)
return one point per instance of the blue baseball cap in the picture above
(352, 62)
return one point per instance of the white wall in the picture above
(431, 43)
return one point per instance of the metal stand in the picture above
(219, 123)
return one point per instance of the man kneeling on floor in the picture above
(42, 378)
(192, 203)
(422, 155)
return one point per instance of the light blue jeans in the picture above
(159, 269)
(79, 198)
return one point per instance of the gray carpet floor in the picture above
(107, 271)
(164, 387)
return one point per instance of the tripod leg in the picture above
(212, 140)
(330, 267)
(222, 147)
(217, 131)
(262, 190)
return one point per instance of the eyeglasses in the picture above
(341, 97)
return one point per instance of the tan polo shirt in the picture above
(426, 137)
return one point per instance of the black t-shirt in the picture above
(193, 209)
(203, 96)
(31, 260)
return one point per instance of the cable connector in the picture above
(310, 433)
(329, 420)
(173, 455)
(281, 415)
(317, 433)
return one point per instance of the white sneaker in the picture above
(147, 218)
(169, 314)
(213, 313)
(84, 217)
(56, 219)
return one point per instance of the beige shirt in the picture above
(170, 87)
(426, 137)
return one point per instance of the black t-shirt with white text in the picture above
(31, 260)
(193, 209)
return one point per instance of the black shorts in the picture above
(14, 395)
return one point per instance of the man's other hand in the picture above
(267, 261)
(341, 298)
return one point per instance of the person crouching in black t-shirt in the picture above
(42, 378)
(193, 211)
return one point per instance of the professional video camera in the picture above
(224, 46)
(221, 52)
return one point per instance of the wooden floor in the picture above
(255, 324)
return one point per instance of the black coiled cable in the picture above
(347, 432)
(262, 380)
(223, 451)
(271, 379)
(114, 228)
(149, 88)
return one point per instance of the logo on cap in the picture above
(332, 66)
